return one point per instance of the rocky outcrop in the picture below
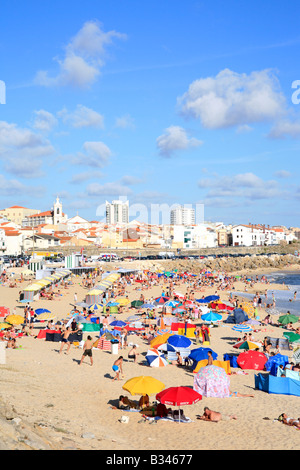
(228, 264)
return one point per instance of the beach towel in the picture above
(184, 419)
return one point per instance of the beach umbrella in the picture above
(247, 345)
(112, 304)
(4, 326)
(200, 354)
(179, 341)
(118, 323)
(252, 360)
(292, 336)
(179, 310)
(15, 319)
(162, 331)
(242, 328)
(166, 347)
(78, 318)
(160, 339)
(95, 307)
(178, 396)
(46, 316)
(148, 305)
(288, 318)
(252, 321)
(171, 303)
(38, 311)
(122, 301)
(143, 385)
(157, 361)
(162, 300)
(4, 311)
(136, 303)
(210, 298)
(211, 317)
(212, 381)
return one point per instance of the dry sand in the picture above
(70, 405)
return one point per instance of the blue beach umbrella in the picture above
(118, 323)
(200, 354)
(211, 317)
(112, 304)
(210, 298)
(179, 341)
(151, 306)
(38, 311)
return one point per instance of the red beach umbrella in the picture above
(178, 396)
(252, 360)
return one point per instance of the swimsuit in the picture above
(115, 368)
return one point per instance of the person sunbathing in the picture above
(289, 421)
(214, 416)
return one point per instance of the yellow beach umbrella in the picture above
(4, 326)
(46, 316)
(122, 301)
(14, 319)
(143, 385)
(160, 339)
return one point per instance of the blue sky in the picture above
(161, 102)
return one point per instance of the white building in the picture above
(55, 217)
(252, 235)
(117, 212)
(182, 215)
(195, 236)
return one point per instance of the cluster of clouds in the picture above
(84, 57)
(228, 100)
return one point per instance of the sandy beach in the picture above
(70, 406)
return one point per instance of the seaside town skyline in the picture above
(24, 230)
(171, 105)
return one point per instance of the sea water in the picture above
(284, 299)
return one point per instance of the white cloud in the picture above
(82, 117)
(125, 122)
(241, 186)
(175, 138)
(22, 150)
(108, 189)
(84, 57)
(44, 121)
(14, 187)
(233, 99)
(84, 176)
(95, 154)
(282, 174)
(285, 128)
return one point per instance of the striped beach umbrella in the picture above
(157, 361)
(95, 307)
(242, 328)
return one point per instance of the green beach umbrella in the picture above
(288, 318)
(136, 303)
(291, 336)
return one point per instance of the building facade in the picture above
(117, 212)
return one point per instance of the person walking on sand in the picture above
(65, 339)
(117, 368)
(87, 350)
